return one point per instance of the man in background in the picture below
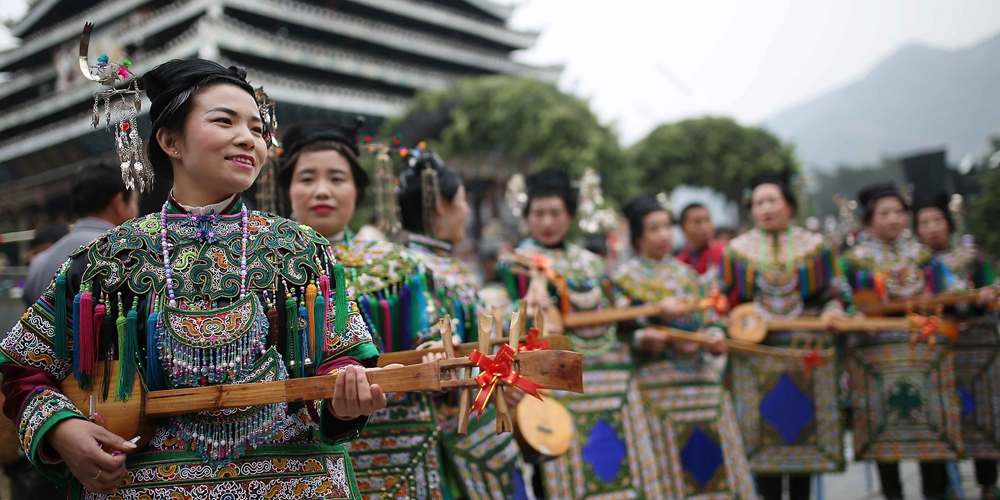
(45, 237)
(101, 201)
(702, 251)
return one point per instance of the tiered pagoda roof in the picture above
(331, 59)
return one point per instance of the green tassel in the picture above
(291, 332)
(60, 327)
(397, 333)
(340, 300)
(128, 350)
(120, 390)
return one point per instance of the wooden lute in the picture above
(869, 302)
(746, 325)
(137, 417)
(741, 346)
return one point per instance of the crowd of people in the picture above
(207, 291)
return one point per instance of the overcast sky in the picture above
(645, 62)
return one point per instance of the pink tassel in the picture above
(88, 344)
(89, 363)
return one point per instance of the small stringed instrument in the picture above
(869, 302)
(738, 346)
(543, 429)
(745, 324)
(136, 417)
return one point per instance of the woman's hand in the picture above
(81, 444)
(537, 298)
(987, 296)
(353, 396)
(434, 356)
(652, 340)
(674, 307)
(830, 317)
(717, 346)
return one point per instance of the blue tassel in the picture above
(302, 345)
(76, 338)
(954, 480)
(460, 316)
(60, 327)
(154, 366)
(318, 340)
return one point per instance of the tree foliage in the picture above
(501, 124)
(712, 152)
(984, 208)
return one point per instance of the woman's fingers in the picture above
(378, 398)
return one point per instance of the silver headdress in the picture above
(594, 216)
(121, 106)
(385, 194)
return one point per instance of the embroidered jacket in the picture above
(644, 281)
(901, 269)
(580, 284)
(785, 273)
(110, 302)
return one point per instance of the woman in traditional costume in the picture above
(788, 413)
(204, 292)
(897, 413)
(612, 452)
(965, 267)
(434, 212)
(398, 455)
(697, 456)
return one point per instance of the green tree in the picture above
(711, 152)
(493, 126)
(984, 208)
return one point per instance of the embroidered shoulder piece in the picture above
(131, 255)
(580, 267)
(873, 256)
(374, 265)
(643, 281)
(961, 259)
(799, 252)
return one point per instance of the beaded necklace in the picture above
(207, 235)
(789, 243)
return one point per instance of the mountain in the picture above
(918, 98)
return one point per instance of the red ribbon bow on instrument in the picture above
(715, 300)
(544, 264)
(928, 325)
(812, 360)
(532, 343)
(496, 370)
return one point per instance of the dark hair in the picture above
(548, 183)
(49, 233)
(684, 213)
(411, 200)
(171, 86)
(937, 200)
(780, 178)
(361, 180)
(321, 135)
(869, 196)
(95, 186)
(635, 211)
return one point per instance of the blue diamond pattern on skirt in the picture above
(787, 408)
(604, 451)
(968, 401)
(519, 487)
(701, 456)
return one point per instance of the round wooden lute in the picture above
(543, 429)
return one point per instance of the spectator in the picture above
(101, 201)
(702, 251)
(45, 237)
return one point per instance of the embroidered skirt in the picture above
(905, 404)
(788, 415)
(977, 372)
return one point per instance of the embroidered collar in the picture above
(230, 205)
(433, 244)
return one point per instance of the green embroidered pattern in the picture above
(130, 255)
